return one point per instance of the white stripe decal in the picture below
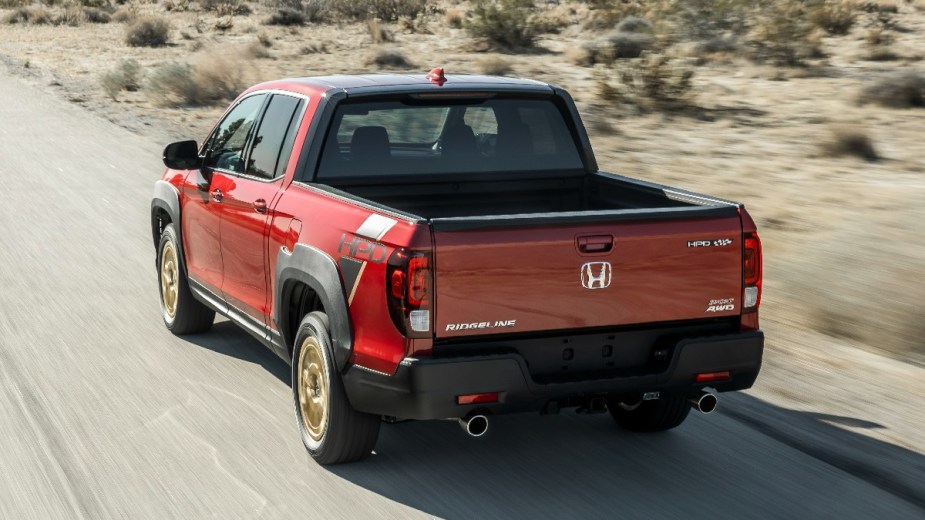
(376, 226)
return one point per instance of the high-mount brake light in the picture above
(436, 76)
(409, 292)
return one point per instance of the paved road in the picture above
(104, 414)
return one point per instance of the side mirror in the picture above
(182, 155)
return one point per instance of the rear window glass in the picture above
(491, 135)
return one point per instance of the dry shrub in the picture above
(784, 35)
(72, 16)
(95, 15)
(314, 48)
(621, 44)
(634, 24)
(454, 18)
(386, 10)
(700, 20)
(617, 45)
(849, 141)
(719, 45)
(552, 20)
(417, 25)
(100, 4)
(315, 10)
(225, 7)
(287, 17)
(311, 10)
(181, 84)
(219, 79)
(257, 51)
(868, 294)
(878, 42)
(226, 23)
(125, 76)
(29, 15)
(879, 6)
(13, 4)
(265, 40)
(388, 58)
(506, 23)
(149, 31)
(125, 14)
(607, 14)
(579, 55)
(881, 54)
(878, 36)
(495, 66)
(834, 16)
(904, 89)
(378, 33)
(172, 84)
(654, 82)
(176, 6)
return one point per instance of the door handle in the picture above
(217, 195)
(260, 206)
(595, 244)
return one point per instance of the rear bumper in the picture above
(427, 388)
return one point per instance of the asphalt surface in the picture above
(105, 414)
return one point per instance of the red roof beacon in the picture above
(436, 76)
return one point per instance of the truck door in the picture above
(247, 206)
(204, 195)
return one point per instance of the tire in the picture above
(182, 313)
(332, 431)
(657, 415)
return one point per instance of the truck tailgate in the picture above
(568, 276)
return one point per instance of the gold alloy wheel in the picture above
(170, 279)
(313, 389)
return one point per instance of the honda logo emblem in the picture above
(595, 275)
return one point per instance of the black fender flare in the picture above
(167, 198)
(318, 271)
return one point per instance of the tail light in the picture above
(410, 292)
(751, 274)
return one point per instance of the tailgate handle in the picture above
(595, 244)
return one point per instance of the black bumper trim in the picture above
(427, 388)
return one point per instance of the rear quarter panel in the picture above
(336, 226)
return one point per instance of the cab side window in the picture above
(273, 140)
(226, 148)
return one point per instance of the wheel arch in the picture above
(317, 271)
(165, 209)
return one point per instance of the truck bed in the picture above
(483, 197)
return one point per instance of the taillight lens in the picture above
(409, 292)
(752, 260)
(751, 272)
(418, 280)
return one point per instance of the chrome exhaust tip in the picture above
(475, 425)
(704, 402)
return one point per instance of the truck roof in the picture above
(391, 82)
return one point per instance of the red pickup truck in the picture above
(433, 247)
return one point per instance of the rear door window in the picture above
(273, 140)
